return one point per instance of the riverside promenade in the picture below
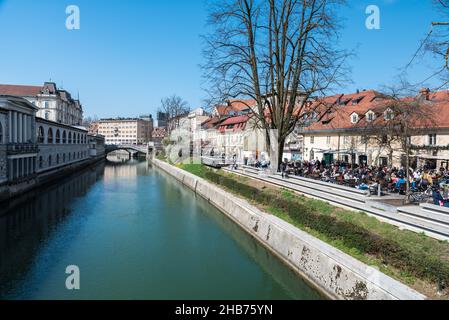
(428, 219)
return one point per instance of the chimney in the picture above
(425, 93)
(358, 91)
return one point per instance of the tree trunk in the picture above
(275, 154)
(281, 146)
(407, 168)
(390, 156)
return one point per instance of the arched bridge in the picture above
(128, 147)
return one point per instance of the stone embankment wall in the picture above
(336, 274)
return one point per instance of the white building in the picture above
(53, 104)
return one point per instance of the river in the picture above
(135, 233)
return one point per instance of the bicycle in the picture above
(417, 197)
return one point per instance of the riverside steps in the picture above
(412, 218)
(337, 274)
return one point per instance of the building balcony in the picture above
(21, 148)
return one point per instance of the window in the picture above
(354, 118)
(312, 140)
(64, 137)
(50, 135)
(49, 161)
(370, 116)
(40, 135)
(46, 105)
(47, 115)
(432, 139)
(58, 136)
(57, 159)
(389, 114)
(1, 133)
(328, 140)
(70, 138)
(41, 162)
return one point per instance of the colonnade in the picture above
(20, 127)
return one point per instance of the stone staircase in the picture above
(426, 219)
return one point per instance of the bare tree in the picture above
(174, 107)
(403, 115)
(279, 53)
(436, 43)
(88, 121)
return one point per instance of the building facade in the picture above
(53, 104)
(126, 131)
(32, 148)
(60, 145)
(96, 145)
(354, 131)
(18, 151)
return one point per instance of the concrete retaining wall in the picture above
(335, 273)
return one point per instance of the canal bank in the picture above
(135, 233)
(337, 274)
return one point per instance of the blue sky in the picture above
(130, 54)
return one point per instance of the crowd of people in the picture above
(386, 179)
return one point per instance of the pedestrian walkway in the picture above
(357, 200)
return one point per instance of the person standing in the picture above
(284, 169)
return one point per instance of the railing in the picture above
(18, 148)
(142, 149)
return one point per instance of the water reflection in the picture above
(296, 287)
(28, 221)
(135, 233)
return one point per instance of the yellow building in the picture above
(122, 131)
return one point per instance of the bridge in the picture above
(128, 147)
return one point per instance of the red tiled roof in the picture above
(16, 90)
(237, 123)
(211, 122)
(235, 106)
(235, 120)
(436, 109)
(242, 104)
(339, 108)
